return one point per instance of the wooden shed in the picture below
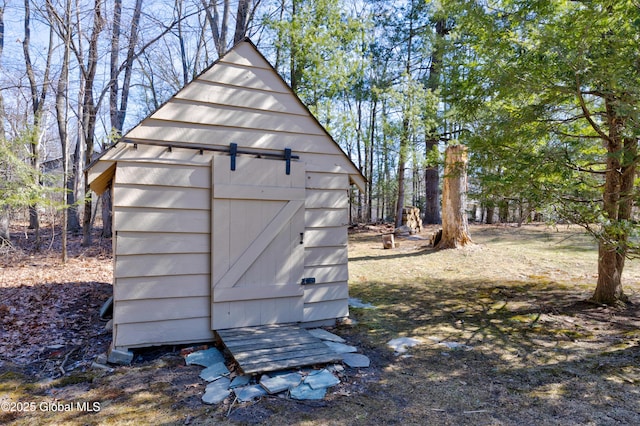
(230, 210)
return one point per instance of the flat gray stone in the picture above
(217, 391)
(357, 303)
(214, 372)
(305, 392)
(120, 357)
(205, 358)
(249, 393)
(107, 308)
(325, 335)
(455, 346)
(356, 360)
(321, 380)
(340, 348)
(280, 383)
(239, 381)
(102, 359)
(402, 344)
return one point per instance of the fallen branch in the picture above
(66, 358)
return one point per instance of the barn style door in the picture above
(257, 236)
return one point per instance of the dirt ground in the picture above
(506, 338)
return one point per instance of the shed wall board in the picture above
(324, 310)
(153, 333)
(329, 236)
(161, 243)
(318, 256)
(243, 76)
(326, 292)
(224, 115)
(161, 197)
(160, 220)
(326, 217)
(179, 175)
(147, 310)
(317, 180)
(247, 313)
(203, 134)
(166, 286)
(150, 265)
(330, 199)
(327, 273)
(222, 94)
(158, 155)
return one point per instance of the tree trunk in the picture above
(432, 190)
(4, 209)
(242, 20)
(402, 159)
(617, 204)
(107, 215)
(503, 211)
(431, 175)
(89, 114)
(455, 228)
(73, 218)
(5, 235)
(489, 215)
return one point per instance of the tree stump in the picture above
(388, 242)
(455, 228)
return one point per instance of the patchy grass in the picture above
(507, 339)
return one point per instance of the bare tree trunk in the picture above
(38, 97)
(242, 20)
(402, 161)
(5, 236)
(89, 113)
(369, 159)
(404, 137)
(183, 52)
(432, 189)
(490, 212)
(455, 228)
(72, 208)
(618, 188)
(62, 108)
(219, 34)
(431, 173)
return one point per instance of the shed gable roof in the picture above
(240, 99)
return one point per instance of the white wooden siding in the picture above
(243, 76)
(161, 197)
(330, 255)
(165, 286)
(222, 94)
(189, 330)
(147, 310)
(326, 310)
(207, 135)
(156, 220)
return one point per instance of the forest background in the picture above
(544, 94)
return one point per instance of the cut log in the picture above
(388, 242)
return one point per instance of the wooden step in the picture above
(275, 347)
